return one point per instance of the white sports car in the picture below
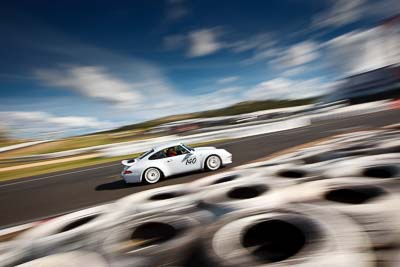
(171, 159)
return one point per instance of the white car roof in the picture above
(166, 145)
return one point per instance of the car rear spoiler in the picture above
(128, 162)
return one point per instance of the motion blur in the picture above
(200, 133)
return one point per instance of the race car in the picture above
(171, 159)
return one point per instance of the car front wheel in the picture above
(152, 175)
(213, 163)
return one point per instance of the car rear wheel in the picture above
(213, 163)
(152, 175)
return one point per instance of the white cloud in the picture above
(343, 12)
(360, 51)
(203, 42)
(296, 55)
(228, 79)
(259, 42)
(294, 71)
(280, 57)
(178, 103)
(217, 99)
(284, 88)
(382, 9)
(340, 13)
(93, 82)
(266, 54)
(42, 123)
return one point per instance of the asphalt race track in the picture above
(33, 198)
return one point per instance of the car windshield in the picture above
(188, 147)
(146, 153)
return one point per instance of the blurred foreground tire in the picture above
(388, 257)
(375, 207)
(296, 235)
(13, 253)
(387, 147)
(158, 199)
(383, 167)
(290, 173)
(245, 193)
(221, 179)
(156, 241)
(69, 259)
(65, 233)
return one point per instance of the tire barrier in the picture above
(383, 167)
(291, 173)
(69, 259)
(374, 207)
(388, 257)
(158, 199)
(66, 233)
(307, 156)
(156, 241)
(14, 252)
(221, 179)
(356, 136)
(392, 146)
(325, 154)
(242, 194)
(296, 235)
(303, 156)
(336, 203)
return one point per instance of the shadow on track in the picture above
(114, 185)
(120, 184)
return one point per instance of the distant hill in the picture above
(236, 109)
(251, 106)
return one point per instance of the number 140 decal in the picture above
(191, 161)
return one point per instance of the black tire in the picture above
(14, 252)
(384, 167)
(156, 200)
(373, 206)
(220, 179)
(295, 235)
(212, 163)
(241, 194)
(68, 232)
(156, 241)
(69, 259)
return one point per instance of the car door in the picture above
(159, 160)
(184, 161)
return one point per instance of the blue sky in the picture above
(71, 67)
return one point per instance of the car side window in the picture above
(175, 151)
(171, 152)
(159, 155)
(181, 150)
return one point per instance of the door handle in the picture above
(170, 160)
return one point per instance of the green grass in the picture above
(51, 168)
(75, 143)
(252, 106)
(10, 142)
